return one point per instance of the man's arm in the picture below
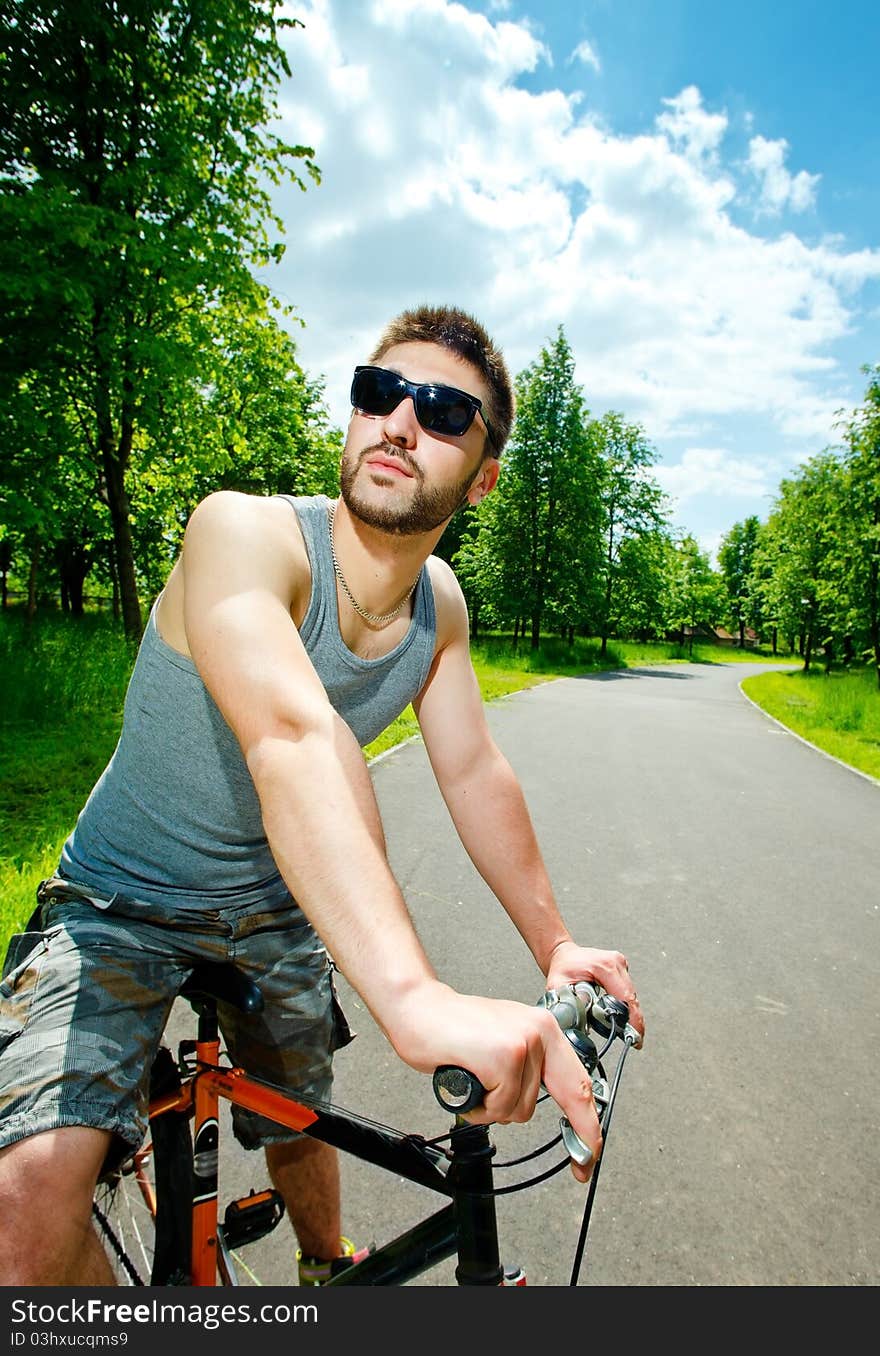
(323, 825)
(489, 810)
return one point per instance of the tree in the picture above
(860, 521)
(542, 520)
(736, 556)
(695, 590)
(134, 169)
(794, 558)
(632, 506)
(255, 422)
(643, 584)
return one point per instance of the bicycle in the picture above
(158, 1213)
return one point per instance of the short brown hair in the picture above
(463, 335)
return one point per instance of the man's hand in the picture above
(512, 1048)
(570, 963)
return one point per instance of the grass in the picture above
(62, 687)
(839, 712)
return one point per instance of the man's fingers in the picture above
(619, 983)
(570, 1086)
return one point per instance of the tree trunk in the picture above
(117, 502)
(808, 651)
(31, 608)
(73, 567)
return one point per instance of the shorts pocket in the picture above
(342, 1034)
(21, 972)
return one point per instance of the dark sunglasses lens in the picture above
(440, 409)
(443, 410)
(376, 392)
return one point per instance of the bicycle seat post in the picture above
(206, 1133)
(206, 1008)
(470, 1176)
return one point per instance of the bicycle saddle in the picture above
(225, 983)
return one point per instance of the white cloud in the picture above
(586, 53)
(689, 126)
(715, 471)
(779, 188)
(444, 179)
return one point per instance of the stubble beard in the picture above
(427, 510)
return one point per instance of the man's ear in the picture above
(486, 480)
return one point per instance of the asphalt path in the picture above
(737, 867)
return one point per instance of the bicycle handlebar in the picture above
(577, 1008)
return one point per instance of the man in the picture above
(237, 820)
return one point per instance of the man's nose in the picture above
(401, 426)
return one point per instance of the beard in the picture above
(425, 512)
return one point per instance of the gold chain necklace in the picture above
(377, 619)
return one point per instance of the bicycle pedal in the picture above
(252, 1217)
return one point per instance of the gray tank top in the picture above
(175, 817)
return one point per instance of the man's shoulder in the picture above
(236, 516)
(449, 601)
(263, 530)
(236, 505)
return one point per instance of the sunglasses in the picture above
(439, 409)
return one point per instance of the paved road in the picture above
(738, 869)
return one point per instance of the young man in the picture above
(237, 820)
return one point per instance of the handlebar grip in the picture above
(456, 1089)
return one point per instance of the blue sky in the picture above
(690, 189)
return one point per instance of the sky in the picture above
(690, 189)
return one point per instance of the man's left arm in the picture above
(490, 814)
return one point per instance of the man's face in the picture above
(398, 476)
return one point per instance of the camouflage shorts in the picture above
(85, 998)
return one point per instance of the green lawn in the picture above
(838, 712)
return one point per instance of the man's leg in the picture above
(46, 1186)
(306, 1172)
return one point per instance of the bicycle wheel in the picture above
(143, 1210)
(124, 1215)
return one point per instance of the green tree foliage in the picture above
(794, 568)
(135, 165)
(736, 556)
(256, 423)
(633, 507)
(695, 591)
(535, 553)
(860, 524)
(644, 582)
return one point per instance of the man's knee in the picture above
(46, 1185)
(54, 1171)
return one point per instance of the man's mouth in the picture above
(380, 462)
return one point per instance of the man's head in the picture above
(432, 410)
(461, 334)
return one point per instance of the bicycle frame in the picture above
(466, 1226)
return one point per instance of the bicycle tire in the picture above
(143, 1209)
(124, 1214)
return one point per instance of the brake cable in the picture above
(606, 1125)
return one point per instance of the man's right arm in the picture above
(316, 797)
(323, 824)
